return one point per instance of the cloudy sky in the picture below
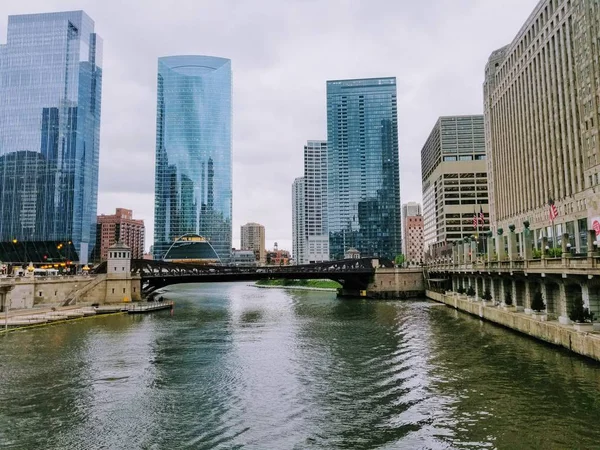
(282, 53)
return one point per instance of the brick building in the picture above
(119, 227)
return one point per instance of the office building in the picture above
(298, 238)
(50, 97)
(412, 232)
(119, 227)
(542, 118)
(243, 258)
(253, 238)
(363, 182)
(315, 202)
(454, 176)
(193, 153)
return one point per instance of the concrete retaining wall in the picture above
(583, 343)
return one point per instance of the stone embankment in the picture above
(553, 332)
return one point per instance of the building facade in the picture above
(119, 227)
(408, 209)
(315, 202)
(298, 238)
(454, 176)
(412, 232)
(413, 238)
(193, 152)
(50, 98)
(253, 238)
(244, 258)
(542, 117)
(363, 182)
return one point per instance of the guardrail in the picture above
(573, 264)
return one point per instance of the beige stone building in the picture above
(253, 238)
(542, 113)
(454, 176)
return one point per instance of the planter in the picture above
(509, 308)
(583, 326)
(540, 315)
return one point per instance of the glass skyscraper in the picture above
(363, 182)
(193, 152)
(50, 91)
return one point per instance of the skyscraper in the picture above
(253, 238)
(363, 183)
(454, 178)
(193, 152)
(298, 237)
(119, 227)
(542, 122)
(412, 232)
(50, 97)
(315, 202)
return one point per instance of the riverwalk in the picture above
(585, 343)
(27, 318)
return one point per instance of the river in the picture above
(240, 367)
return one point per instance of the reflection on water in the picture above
(241, 367)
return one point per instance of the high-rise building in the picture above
(411, 216)
(542, 117)
(298, 237)
(413, 239)
(119, 227)
(454, 175)
(193, 152)
(363, 182)
(253, 238)
(50, 96)
(315, 202)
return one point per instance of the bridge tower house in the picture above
(121, 286)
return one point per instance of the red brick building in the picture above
(119, 227)
(414, 239)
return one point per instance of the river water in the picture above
(240, 367)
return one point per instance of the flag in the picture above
(553, 210)
(481, 216)
(475, 221)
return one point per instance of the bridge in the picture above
(368, 277)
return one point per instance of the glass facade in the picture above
(193, 152)
(50, 91)
(363, 181)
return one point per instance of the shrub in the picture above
(537, 254)
(487, 295)
(460, 290)
(537, 304)
(508, 298)
(580, 314)
(470, 291)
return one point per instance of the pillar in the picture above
(466, 257)
(591, 237)
(544, 245)
(473, 251)
(490, 247)
(454, 255)
(561, 308)
(461, 254)
(527, 244)
(565, 250)
(500, 247)
(512, 246)
(529, 292)
(585, 295)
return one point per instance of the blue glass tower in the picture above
(193, 152)
(363, 182)
(50, 91)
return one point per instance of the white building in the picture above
(298, 238)
(315, 202)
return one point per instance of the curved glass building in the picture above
(50, 95)
(193, 152)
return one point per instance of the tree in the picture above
(399, 260)
(507, 298)
(487, 295)
(470, 291)
(461, 290)
(537, 304)
(580, 314)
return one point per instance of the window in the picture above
(113, 290)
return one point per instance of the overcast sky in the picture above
(282, 53)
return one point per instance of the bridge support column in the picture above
(466, 249)
(500, 250)
(461, 253)
(562, 306)
(527, 245)
(529, 293)
(473, 251)
(490, 248)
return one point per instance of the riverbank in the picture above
(580, 342)
(310, 285)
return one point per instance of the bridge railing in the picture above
(570, 263)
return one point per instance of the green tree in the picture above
(399, 259)
(537, 304)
